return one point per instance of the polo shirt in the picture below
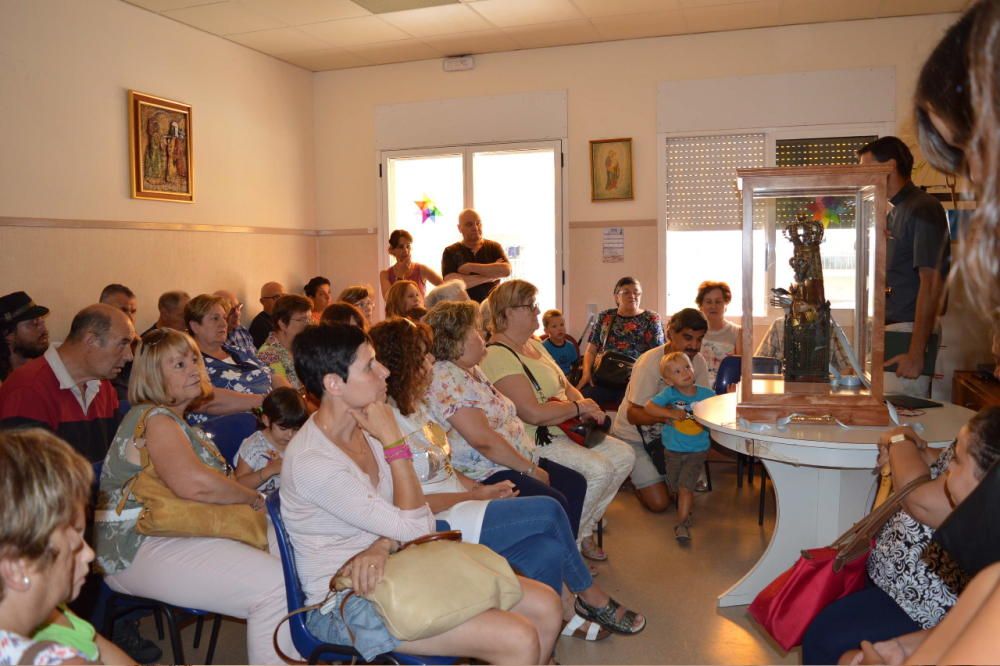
(458, 254)
(42, 393)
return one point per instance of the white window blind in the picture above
(701, 189)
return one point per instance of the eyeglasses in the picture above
(532, 306)
(301, 320)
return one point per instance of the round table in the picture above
(823, 478)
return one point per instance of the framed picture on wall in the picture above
(160, 148)
(611, 169)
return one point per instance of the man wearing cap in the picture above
(23, 330)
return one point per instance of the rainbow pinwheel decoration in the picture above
(428, 210)
(827, 210)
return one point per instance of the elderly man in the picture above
(22, 326)
(171, 306)
(121, 297)
(262, 324)
(238, 336)
(476, 261)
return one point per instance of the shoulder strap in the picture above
(607, 331)
(531, 376)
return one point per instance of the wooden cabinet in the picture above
(974, 392)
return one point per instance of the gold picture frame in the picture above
(160, 148)
(611, 170)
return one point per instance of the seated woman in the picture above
(317, 290)
(228, 368)
(625, 328)
(449, 290)
(914, 582)
(362, 296)
(401, 298)
(258, 460)
(400, 242)
(290, 317)
(344, 313)
(522, 370)
(722, 338)
(533, 533)
(349, 496)
(44, 487)
(168, 378)
(489, 443)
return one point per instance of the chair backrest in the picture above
(731, 366)
(228, 432)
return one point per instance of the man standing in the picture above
(477, 262)
(67, 390)
(25, 335)
(171, 306)
(685, 332)
(918, 254)
(262, 324)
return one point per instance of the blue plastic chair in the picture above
(305, 642)
(228, 432)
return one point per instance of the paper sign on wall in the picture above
(613, 245)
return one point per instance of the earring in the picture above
(26, 581)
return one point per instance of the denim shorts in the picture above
(371, 638)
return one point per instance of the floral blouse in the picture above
(16, 649)
(279, 358)
(629, 335)
(246, 374)
(916, 573)
(452, 389)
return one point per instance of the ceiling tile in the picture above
(486, 41)
(819, 11)
(354, 32)
(222, 19)
(162, 5)
(300, 12)
(510, 13)
(592, 8)
(554, 34)
(731, 17)
(400, 51)
(911, 7)
(636, 26)
(443, 20)
(319, 61)
(280, 40)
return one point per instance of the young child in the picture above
(258, 462)
(685, 441)
(560, 346)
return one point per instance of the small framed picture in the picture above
(611, 170)
(160, 148)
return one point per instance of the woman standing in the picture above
(400, 244)
(722, 338)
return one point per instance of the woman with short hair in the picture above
(317, 290)
(722, 338)
(291, 315)
(344, 313)
(362, 297)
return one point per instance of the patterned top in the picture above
(117, 542)
(279, 358)
(246, 374)
(717, 345)
(258, 453)
(916, 573)
(14, 646)
(629, 335)
(452, 389)
(241, 338)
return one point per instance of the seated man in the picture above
(237, 335)
(23, 334)
(263, 324)
(121, 297)
(171, 306)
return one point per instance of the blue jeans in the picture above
(869, 614)
(533, 534)
(566, 486)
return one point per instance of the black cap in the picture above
(18, 307)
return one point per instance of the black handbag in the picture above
(653, 445)
(970, 534)
(612, 369)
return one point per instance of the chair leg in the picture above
(763, 494)
(751, 461)
(175, 635)
(708, 477)
(158, 618)
(213, 638)
(198, 625)
(740, 460)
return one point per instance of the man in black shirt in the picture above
(918, 254)
(477, 262)
(262, 324)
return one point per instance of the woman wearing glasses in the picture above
(291, 315)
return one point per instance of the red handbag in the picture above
(787, 606)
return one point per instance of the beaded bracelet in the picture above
(398, 452)
(399, 442)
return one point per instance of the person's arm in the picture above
(429, 275)
(378, 420)
(226, 401)
(522, 394)
(927, 503)
(111, 653)
(637, 415)
(383, 282)
(279, 380)
(469, 280)
(472, 424)
(474, 491)
(184, 473)
(253, 478)
(911, 363)
(587, 366)
(664, 413)
(498, 269)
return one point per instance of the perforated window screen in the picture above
(701, 180)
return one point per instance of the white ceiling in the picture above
(339, 34)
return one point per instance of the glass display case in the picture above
(825, 263)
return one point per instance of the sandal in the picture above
(588, 630)
(607, 616)
(590, 550)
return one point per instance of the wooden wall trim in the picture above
(125, 225)
(603, 224)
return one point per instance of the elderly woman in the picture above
(168, 378)
(913, 581)
(350, 496)
(317, 290)
(449, 290)
(489, 442)
(228, 368)
(522, 370)
(44, 486)
(290, 316)
(361, 296)
(344, 313)
(402, 298)
(625, 328)
(533, 533)
(722, 338)
(400, 243)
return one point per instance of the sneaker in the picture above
(682, 533)
(701, 486)
(126, 636)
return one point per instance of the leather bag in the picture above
(787, 606)
(165, 514)
(612, 369)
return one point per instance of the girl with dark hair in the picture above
(258, 461)
(400, 243)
